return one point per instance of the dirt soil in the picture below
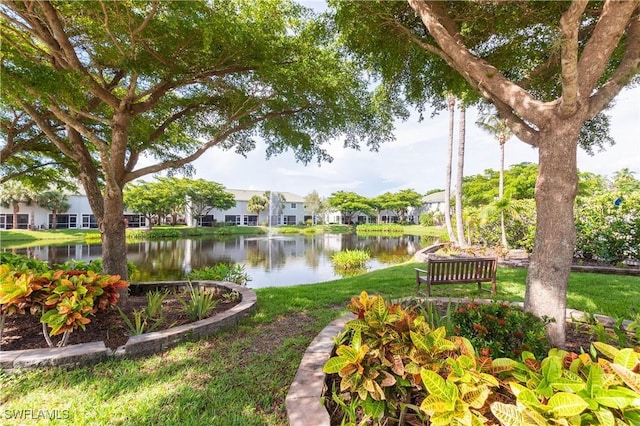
(25, 331)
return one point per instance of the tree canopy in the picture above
(105, 85)
(549, 68)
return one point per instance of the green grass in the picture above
(242, 375)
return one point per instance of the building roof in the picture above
(246, 194)
(436, 197)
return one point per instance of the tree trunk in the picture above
(16, 210)
(54, 219)
(503, 232)
(556, 189)
(114, 245)
(447, 185)
(460, 173)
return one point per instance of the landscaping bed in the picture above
(25, 331)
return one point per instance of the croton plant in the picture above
(64, 300)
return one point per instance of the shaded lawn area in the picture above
(242, 375)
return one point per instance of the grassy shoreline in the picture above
(242, 375)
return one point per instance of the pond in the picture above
(275, 261)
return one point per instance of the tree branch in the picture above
(602, 43)
(481, 75)
(569, 24)
(628, 68)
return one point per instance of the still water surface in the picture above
(275, 261)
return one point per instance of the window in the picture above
(63, 221)
(7, 220)
(232, 218)
(294, 205)
(289, 220)
(251, 220)
(89, 221)
(206, 220)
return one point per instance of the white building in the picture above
(79, 216)
(290, 211)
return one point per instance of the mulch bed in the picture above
(25, 331)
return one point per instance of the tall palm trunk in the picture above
(503, 232)
(462, 241)
(447, 187)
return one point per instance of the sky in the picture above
(415, 160)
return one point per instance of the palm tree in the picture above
(12, 194)
(498, 128)
(53, 200)
(447, 186)
(256, 204)
(462, 241)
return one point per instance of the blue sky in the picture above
(416, 159)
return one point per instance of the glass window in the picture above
(294, 205)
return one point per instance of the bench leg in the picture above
(494, 289)
(428, 289)
(479, 286)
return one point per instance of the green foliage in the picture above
(391, 360)
(289, 230)
(140, 323)
(520, 223)
(382, 228)
(566, 388)
(391, 353)
(200, 302)
(62, 299)
(607, 230)
(155, 299)
(221, 272)
(349, 204)
(350, 259)
(20, 262)
(500, 330)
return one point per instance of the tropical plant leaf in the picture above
(630, 378)
(507, 414)
(565, 404)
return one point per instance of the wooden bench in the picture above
(457, 270)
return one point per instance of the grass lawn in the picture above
(242, 375)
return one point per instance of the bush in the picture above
(385, 228)
(607, 230)
(500, 330)
(389, 361)
(63, 300)
(350, 259)
(221, 272)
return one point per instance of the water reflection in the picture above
(270, 261)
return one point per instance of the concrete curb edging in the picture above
(144, 344)
(303, 402)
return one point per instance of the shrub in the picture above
(389, 361)
(222, 272)
(350, 259)
(607, 230)
(62, 299)
(385, 228)
(200, 303)
(499, 330)
(20, 262)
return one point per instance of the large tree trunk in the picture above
(556, 189)
(112, 227)
(459, 175)
(447, 186)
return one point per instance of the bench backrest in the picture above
(461, 269)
